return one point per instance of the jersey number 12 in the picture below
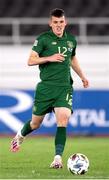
(62, 50)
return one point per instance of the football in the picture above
(78, 164)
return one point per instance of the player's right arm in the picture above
(34, 58)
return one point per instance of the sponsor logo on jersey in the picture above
(54, 43)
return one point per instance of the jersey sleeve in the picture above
(38, 45)
(74, 48)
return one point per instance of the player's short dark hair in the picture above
(57, 12)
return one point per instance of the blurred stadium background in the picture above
(20, 23)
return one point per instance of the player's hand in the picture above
(85, 83)
(56, 58)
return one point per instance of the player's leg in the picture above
(27, 129)
(63, 109)
(62, 116)
(39, 110)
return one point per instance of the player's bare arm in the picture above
(34, 58)
(76, 67)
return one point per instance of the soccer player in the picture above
(55, 52)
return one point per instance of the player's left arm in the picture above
(76, 67)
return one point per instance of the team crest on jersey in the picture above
(70, 44)
(35, 42)
(54, 43)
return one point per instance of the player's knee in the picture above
(36, 121)
(63, 120)
(35, 125)
(65, 115)
(62, 116)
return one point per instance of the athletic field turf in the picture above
(36, 154)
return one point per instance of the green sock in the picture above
(60, 140)
(26, 129)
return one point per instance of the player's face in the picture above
(58, 25)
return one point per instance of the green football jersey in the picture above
(47, 44)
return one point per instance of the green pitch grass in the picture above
(36, 154)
